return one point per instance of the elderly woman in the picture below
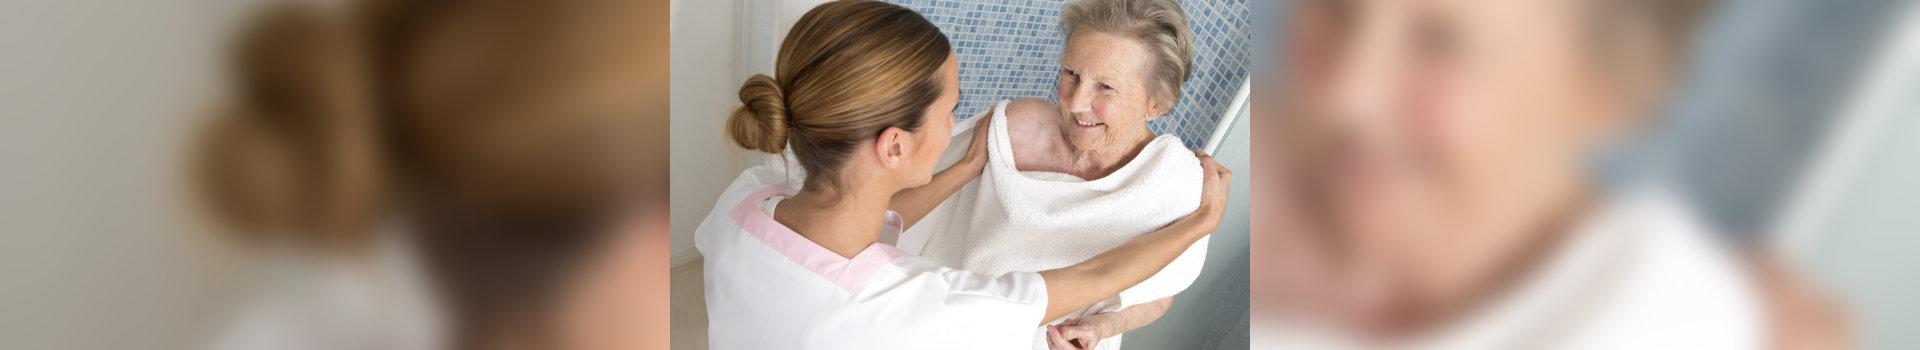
(1438, 152)
(1087, 171)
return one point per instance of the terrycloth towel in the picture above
(1007, 220)
(1640, 272)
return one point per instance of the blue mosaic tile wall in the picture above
(1011, 49)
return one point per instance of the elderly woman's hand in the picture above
(1086, 332)
(1073, 334)
(976, 159)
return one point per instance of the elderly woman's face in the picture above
(1440, 136)
(1103, 91)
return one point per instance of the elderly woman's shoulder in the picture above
(1030, 126)
(1031, 110)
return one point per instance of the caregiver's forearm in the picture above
(1109, 324)
(914, 203)
(1076, 287)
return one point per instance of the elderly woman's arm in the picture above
(914, 203)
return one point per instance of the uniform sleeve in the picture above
(1008, 305)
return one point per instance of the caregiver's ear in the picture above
(892, 146)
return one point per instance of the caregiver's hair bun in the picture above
(761, 122)
(295, 152)
(846, 71)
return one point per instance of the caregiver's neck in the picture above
(845, 221)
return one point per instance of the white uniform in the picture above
(767, 287)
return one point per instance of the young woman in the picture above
(862, 95)
(424, 176)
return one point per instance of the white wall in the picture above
(716, 46)
(705, 77)
(97, 101)
(1852, 224)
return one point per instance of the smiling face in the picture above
(1443, 139)
(1103, 92)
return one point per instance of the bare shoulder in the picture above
(1030, 113)
(1030, 122)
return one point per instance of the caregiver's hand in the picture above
(976, 159)
(1213, 187)
(1103, 276)
(1801, 316)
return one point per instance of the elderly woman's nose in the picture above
(1079, 99)
(1363, 83)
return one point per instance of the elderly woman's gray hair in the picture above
(1159, 25)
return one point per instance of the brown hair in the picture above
(296, 153)
(1160, 25)
(484, 127)
(848, 70)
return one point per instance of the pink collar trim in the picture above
(849, 274)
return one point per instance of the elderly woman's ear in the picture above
(1155, 110)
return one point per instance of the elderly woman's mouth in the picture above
(1084, 124)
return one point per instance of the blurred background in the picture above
(1799, 132)
(110, 111)
(1796, 130)
(1793, 130)
(97, 107)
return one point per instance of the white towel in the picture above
(1641, 272)
(1007, 220)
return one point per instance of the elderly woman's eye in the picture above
(1104, 86)
(1070, 73)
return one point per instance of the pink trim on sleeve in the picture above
(849, 274)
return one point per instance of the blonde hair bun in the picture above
(761, 122)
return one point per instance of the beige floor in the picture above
(689, 307)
